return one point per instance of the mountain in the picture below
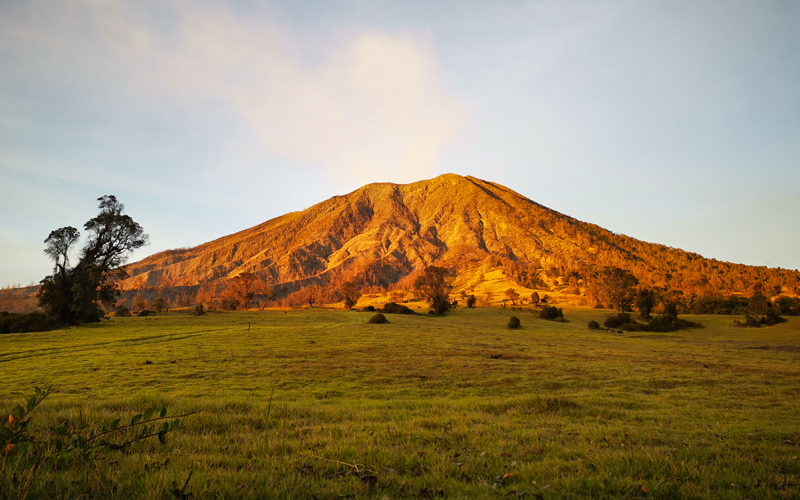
(383, 233)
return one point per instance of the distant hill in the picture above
(383, 233)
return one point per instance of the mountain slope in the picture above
(383, 232)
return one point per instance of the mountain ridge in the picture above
(381, 233)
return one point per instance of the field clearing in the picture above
(456, 406)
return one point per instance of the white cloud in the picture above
(373, 105)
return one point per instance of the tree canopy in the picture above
(74, 294)
(434, 285)
(619, 287)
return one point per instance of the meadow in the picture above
(320, 404)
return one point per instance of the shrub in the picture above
(663, 323)
(749, 322)
(199, 310)
(145, 312)
(394, 308)
(513, 322)
(23, 323)
(772, 318)
(378, 319)
(617, 320)
(594, 325)
(121, 312)
(369, 309)
(551, 313)
(471, 301)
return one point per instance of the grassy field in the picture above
(319, 404)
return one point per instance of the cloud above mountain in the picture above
(370, 101)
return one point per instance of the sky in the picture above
(675, 122)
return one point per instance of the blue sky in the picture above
(673, 122)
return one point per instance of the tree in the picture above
(310, 294)
(434, 285)
(645, 302)
(618, 285)
(351, 293)
(74, 295)
(573, 286)
(535, 298)
(58, 244)
(138, 302)
(512, 295)
(757, 305)
(158, 305)
(471, 301)
(244, 287)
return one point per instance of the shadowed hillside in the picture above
(383, 232)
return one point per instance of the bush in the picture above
(617, 320)
(24, 323)
(513, 322)
(394, 308)
(145, 312)
(199, 310)
(663, 323)
(551, 313)
(378, 319)
(772, 318)
(471, 301)
(121, 312)
(594, 325)
(369, 309)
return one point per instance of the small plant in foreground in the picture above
(513, 322)
(594, 325)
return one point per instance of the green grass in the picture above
(458, 406)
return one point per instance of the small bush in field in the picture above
(514, 322)
(378, 319)
(551, 313)
(594, 325)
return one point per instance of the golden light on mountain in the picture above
(383, 232)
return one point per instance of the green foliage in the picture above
(23, 323)
(513, 322)
(122, 312)
(551, 313)
(74, 295)
(76, 441)
(594, 325)
(198, 310)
